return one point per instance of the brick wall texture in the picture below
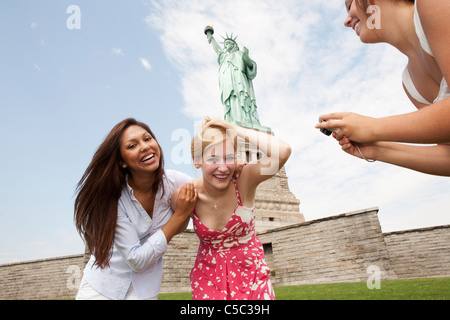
(334, 249)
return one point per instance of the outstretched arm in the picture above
(427, 159)
(214, 44)
(428, 125)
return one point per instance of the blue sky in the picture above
(62, 90)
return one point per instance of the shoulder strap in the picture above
(237, 192)
(420, 33)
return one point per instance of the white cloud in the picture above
(308, 64)
(145, 63)
(117, 52)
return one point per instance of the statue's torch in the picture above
(209, 30)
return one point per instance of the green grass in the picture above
(411, 289)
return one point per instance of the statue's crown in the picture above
(229, 37)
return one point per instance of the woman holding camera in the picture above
(421, 31)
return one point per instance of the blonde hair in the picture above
(212, 132)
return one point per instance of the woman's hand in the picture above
(183, 204)
(239, 168)
(355, 127)
(367, 150)
(216, 121)
(186, 200)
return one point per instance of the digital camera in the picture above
(325, 131)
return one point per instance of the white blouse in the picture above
(139, 245)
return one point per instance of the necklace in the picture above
(211, 198)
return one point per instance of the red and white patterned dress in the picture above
(230, 263)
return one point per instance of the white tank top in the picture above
(444, 91)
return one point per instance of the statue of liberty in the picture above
(236, 72)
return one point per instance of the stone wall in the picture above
(333, 249)
(420, 253)
(178, 262)
(56, 278)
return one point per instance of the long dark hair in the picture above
(99, 191)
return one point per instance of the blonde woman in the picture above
(230, 260)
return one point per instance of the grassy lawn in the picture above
(412, 289)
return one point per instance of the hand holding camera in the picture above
(327, 132)
(347, 145)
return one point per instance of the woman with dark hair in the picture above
(123, 213)
(421, 31)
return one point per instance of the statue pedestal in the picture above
(276, 205)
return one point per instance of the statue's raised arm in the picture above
(209, 31)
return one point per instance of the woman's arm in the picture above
(174, 205)
(427, 125)
(276, 153)
(186, 201)
(139, 256)
(427, 159)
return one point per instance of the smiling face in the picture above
(218, 165)
(357, 19)
(139, 150)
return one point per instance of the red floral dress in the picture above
(230, 263)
